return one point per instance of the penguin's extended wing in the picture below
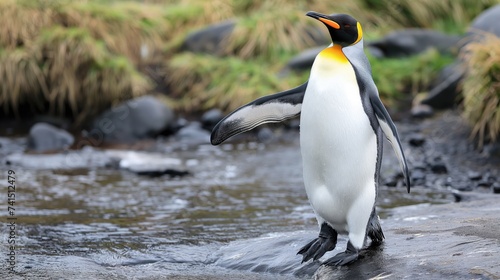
(391, 133)
(268, 109)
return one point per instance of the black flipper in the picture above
(326, 241)
(268, 109)
(391, 134)
(350, 255)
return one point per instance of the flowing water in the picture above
(104, 223)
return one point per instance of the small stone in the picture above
(210, 118)
(417, 140)
(474, 175)
(438, 167)
(391, 182)
(421, 111)
(44, 137)
(484, 184)
(496, 188)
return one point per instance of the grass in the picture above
(201, 82)
(397, 78)
(77, 58)
(481, 88)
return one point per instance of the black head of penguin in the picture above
(344, 29)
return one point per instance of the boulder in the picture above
(304, 60)
(209, 39)
(487, 21)
(44, 137)
(210, 118)
(134, 120)
(412, 41)
(192, 135)
(446, 90)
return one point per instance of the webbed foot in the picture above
(326, 241)
(350, 255)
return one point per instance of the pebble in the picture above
(474, 175)
(417, 140)
(421, 111)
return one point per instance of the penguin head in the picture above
(344, 29)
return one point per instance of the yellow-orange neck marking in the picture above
(335, 53)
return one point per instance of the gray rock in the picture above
(209, 39)
(193, 134)
(408, 42)
(134, 120)
(44, 137)
(421, 111)
(265, 135)
(451, 241)
(304, 60)
(444, 92)
(487, 21)
(474, 175)
(210, 118)
(416, 140)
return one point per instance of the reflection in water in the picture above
(235, 192)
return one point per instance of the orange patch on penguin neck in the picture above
(335, 53)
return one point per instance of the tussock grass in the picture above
(272, 32)
(21, 77)
(21, 24)
(203, 81)
(82, 74)
(481, 88)
(445, 15)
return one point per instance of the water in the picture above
(103, 218)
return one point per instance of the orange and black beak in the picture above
(324, 18)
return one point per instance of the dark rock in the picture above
(193, 134)
(474, 175)
(408, 42)
(496, 188)
(444, 92)
(391, 181)
(209, 39)
(484, 184)
(421, 111)
(437, 166)
(141, 118)
(416, 140)
(210, 118)
(304, 60)
(44, 137)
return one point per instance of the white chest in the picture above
(338, 144)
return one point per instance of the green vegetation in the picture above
(395, 77)
(77, 58)
(481, 88)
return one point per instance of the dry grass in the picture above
(481, 88)
(21, 24)
(201, 82)
(22, 82)
(81, 73)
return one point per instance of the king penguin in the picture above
(342, 123)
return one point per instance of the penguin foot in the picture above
(350, 255)
(326, 241)
(374, 230)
